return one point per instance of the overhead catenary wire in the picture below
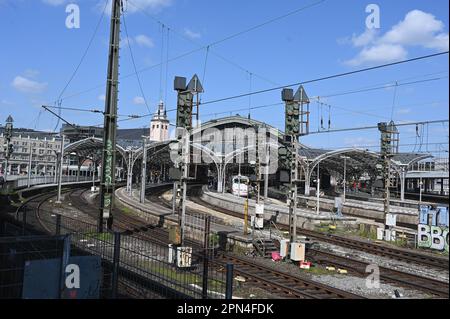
(328, 77)
(134, 63)
(331, 76)
(298, 10)
(394, 100)
(162, 64)
(204, 65)
(167, 66)
(376, 126)
(82, 58)
(201, 47)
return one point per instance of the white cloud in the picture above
(6, 102)
(54, 2)
(403, 111)
(30, 73)
(381, 53)
(140, 5)
(25, 85)
(144, 41)
(191, 34)
(138, 100)
(364, 38)
(125, 41)
(358, 141)
(418, 28)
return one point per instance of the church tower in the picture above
(159, 125)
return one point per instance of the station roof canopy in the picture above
(357, 159)
(88, 146)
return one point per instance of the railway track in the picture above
(275, 282)
(432, 286)
(403, 255)
(284, 284)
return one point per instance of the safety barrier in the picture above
(42, 180)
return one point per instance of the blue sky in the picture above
(39, 53)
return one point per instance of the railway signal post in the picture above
(296, 125)
(107, 183)
(389, 146)
(185, 104)
(8, 147)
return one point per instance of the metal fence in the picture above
(15, 252)
(138, 267)
(42, 180)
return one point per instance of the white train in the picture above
(240, 186)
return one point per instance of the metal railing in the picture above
(135, 266)
(42, 180)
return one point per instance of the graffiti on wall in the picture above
(432, 231)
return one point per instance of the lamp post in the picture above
(144, 169)
(420, 190)
(8, 147)
(345, 175)
(61, 157)
(30, 156)
(318, 190)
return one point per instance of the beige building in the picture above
(159, 125)
(43, 152)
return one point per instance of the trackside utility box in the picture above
(171, 256)
(184, 257)
(174, 234)
(284, 247)
(297, 251)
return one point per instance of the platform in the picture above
(275, 209)
(157, 213)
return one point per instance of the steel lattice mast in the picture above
(107, 184)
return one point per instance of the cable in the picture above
(329, 77)
(134, 64)
(250, 97)
(383, 86)
(376, 127)
(162, 64)
(204, 66)
(393, 100)
(167, 66)
(234, 35)
(83, 56)
(267, 22)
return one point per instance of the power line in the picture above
(203, 47)
(233, 35)
(385, 85)
(83, 56)
(134, 63)
(376, 127)
(378, 145)
(90, 111)
(328, 77)
(268, 22)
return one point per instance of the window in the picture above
(157, 126)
